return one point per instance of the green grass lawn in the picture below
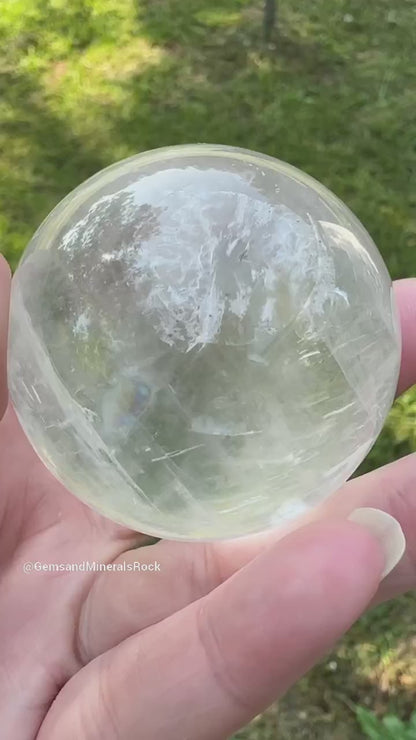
(87, 82)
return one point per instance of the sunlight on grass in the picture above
(389, 670)
(97, 72)
(402, 419)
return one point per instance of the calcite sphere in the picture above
(204, 342)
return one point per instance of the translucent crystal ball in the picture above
(204, 342)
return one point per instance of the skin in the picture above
(199, 648)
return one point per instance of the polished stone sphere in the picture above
(203, 343)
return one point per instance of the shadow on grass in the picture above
(230, 36)
(219, 83)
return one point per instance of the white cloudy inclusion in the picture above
(203, 342)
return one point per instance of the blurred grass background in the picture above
(87, 82)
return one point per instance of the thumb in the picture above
(4, 321)
(208, 669)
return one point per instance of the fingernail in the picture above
(387, 531)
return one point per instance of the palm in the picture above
(41, 523)
(175, 654)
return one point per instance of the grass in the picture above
(85, 83)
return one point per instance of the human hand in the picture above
(199, 648)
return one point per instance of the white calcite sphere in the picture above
(203, 342)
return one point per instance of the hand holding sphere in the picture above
(99, 655)
(204, 342)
